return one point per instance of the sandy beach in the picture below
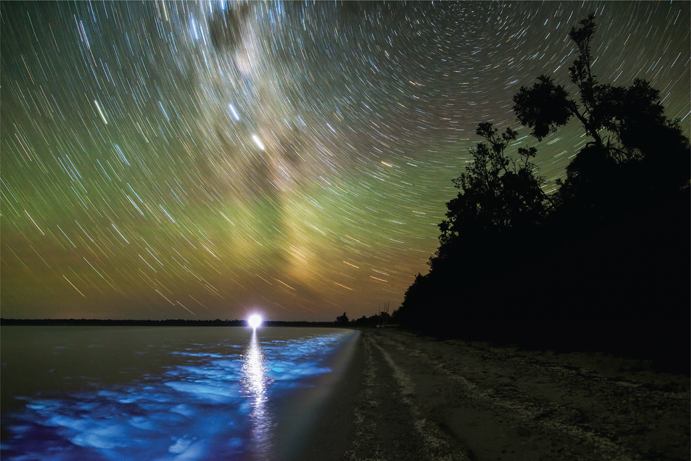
(408, 397)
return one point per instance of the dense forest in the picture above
(602, 263)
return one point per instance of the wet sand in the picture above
(407, 397)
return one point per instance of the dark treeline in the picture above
(154, 323)
(376, 320)
(602, 263)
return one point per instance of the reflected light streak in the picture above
(255, 383)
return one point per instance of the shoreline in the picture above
(332, 430)
(417, 397)
(396, 395)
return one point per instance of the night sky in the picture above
(204, 160)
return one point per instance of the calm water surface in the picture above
(165, 393)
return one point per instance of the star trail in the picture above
(204, 160)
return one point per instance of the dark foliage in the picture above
(544, 108)
(342, 319)
(602, 264)
(377, 320)
(498, 194)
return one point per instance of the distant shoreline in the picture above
(162, 323)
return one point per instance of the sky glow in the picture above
(197, 160)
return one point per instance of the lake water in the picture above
(165, 393)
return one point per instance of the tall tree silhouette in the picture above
(614, 236)
(636, 154)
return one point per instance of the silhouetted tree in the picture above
(498, 194)
(614, 236)
(343, 319)
(636, 153)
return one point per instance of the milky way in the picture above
(204, 160)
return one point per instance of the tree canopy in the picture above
(633, 143)
(625, 190)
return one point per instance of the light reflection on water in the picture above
(255, 384)
(209, 397)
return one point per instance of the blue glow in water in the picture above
(191, 401)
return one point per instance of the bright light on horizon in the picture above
(254, 321)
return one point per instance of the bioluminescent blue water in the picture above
(187, 393)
